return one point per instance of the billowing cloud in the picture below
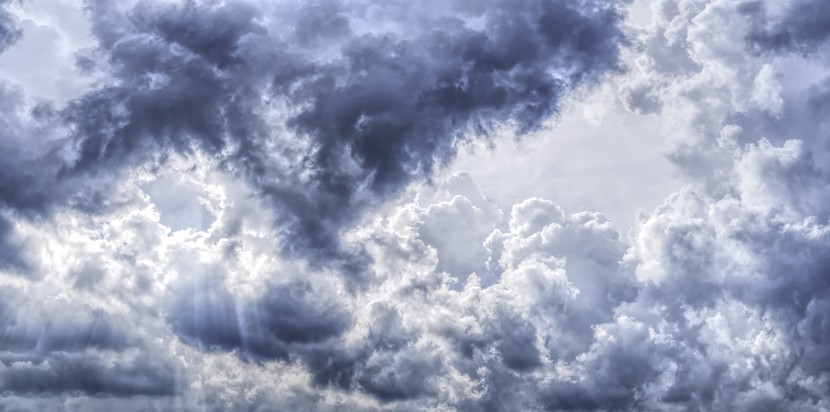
(51, 350)
(9, 32)
(321, 116)
(250, 209)
(797, 26)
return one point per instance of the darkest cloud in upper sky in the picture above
(9, 32)
(361, 114)
(804, 26)
(319, 117)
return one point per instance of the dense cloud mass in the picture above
(321, 116)
(802, 27)
(9, 33)
(252, 206)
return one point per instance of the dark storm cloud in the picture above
(516, 343)
(386, 108)
(360, 115)
(44, 350)
(296, 322)
(804, 27)
(88, 374)
(9, 32)
(13, 256)
(21, 182)
(403, 101)
(283, 321)
(384, 364)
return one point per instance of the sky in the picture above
(454, 205)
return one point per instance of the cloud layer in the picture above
(321, 116)
(249, 208)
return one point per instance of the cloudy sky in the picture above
(434, 205)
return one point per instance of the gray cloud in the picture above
(13, 256)
(803, 27)
(320, 139)
(716, 300)
(50, 351)
(288, 320)
(9, 32)
(385, 108)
